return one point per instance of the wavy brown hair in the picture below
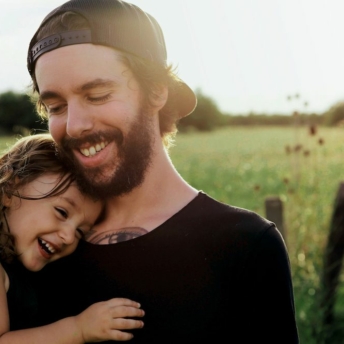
(29, 158)
(149, 75)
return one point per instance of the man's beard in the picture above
(134, 153)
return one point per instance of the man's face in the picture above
(95, 115)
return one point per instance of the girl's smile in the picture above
(46, 229)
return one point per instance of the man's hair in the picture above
(29, 158)
(150, 75)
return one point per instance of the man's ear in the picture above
(158, 97)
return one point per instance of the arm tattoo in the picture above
(116, 235)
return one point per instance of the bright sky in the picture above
(248, 55)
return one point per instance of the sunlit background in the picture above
(248, 55)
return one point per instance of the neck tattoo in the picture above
(116, 235)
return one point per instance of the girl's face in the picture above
(50, 228)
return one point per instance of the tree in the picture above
(335, 115)
(18, 113)
(205, 117)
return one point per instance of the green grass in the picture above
(243, 165)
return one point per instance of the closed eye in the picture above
(53, 102)
(99, 99)
(62, 212)
(55, 110)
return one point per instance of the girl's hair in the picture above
(150, 75)
(29, 158)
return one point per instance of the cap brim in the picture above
(186, 99)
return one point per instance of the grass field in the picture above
(243, 165)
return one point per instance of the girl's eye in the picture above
(100, 99)
(62, 212)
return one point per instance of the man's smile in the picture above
(92, 150)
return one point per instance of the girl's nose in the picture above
(67, 234)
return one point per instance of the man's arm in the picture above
(271, 310)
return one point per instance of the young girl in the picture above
(42, 217)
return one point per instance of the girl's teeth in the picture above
(48, 246)
(51, 249)
(98, 148)
(92, 151)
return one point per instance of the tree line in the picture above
(18, 116)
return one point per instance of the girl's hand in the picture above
(106, 320)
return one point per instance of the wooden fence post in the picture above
(274, 213)
(333, 257)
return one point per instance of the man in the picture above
(201, 270)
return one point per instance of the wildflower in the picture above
(287, 149)
(297, 147)
(312, 130)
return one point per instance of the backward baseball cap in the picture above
(117, 24)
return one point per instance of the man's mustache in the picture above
(115, 134)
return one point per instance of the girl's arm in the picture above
(99, 322)
(4, 317)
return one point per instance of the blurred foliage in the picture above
(335, 115)
(18, 114)
(273, 120)
(205, 117)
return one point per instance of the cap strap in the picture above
(56, 41)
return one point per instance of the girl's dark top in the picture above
(21, 297)
(212, 273)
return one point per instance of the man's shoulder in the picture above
(218, 225)
(210, 209)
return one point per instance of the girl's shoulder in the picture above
(7, 250)
(4, 279)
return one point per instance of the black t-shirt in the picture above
(21, 296)
(211, 273)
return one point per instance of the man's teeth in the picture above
(93, 149)
(46, 246)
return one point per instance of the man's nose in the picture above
(80, 119)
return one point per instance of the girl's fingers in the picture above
(126, 324)
(123, 302)
(126, 311)
(121, 336)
